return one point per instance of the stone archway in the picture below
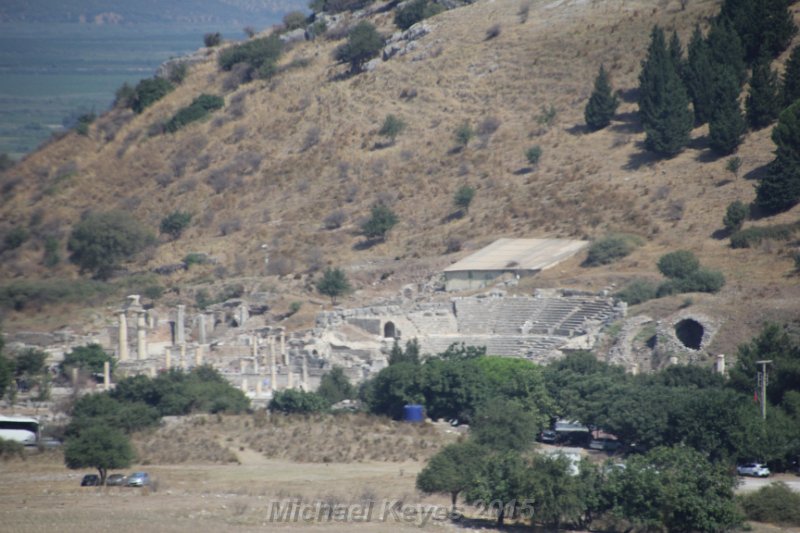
(389, 330)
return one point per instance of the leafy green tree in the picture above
(90, 358)
(292, 401)
(392, 127)
(763, 100)
(775, 503)
(453, 388)
(363, 43)
(735, 215)
(333, 283)
(452, 470)
(101, 240)
(392, 388)
(678, 264)
(663, 102)
(519, 381)
(676, 489)
(99, 447)
(504, 478)
(103, 410)
(726, 126)
(463, 197)
(790, 87)
(699, 76)
(381, 220)
(409, 355)
(779, 190)
(503, 424)
(30, 362)
(174, 223)
(602, 103)
(560, 494)
(335, 387)
(149, 91)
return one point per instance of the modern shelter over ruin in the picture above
(504, 257)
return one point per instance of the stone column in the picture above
(180, 325)
(106, 375)
(305, 374)
(289, 377)
(152, 371)
(258, 387)
(720, 367)
(167, 358)
(201, 326)
(283, 347)
(244, 385)
(242, 365)
(198, 355)
(141, 336)
(184, 359)
(273, 378)
(74, 375)
(123, 336)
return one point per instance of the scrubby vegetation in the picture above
(258, 56)
(415, 11)
(363, 43)
(752, 236)
(775, 504)
(611, 248)
(146, 93)
(200, 108)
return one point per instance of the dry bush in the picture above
(232, 225)
(280, 265)
(335, 219)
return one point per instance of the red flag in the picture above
(755, 396)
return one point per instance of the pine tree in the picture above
(602, 104)
(764, 26)
(676, 53)
(791, 78)
(698, 77)
(726, 127)
(663, 102)
(779, 190)
(763, 103)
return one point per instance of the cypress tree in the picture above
(602, 104)
(779, 190)
(763, 103)
(676, 53)
(698, 77)
(764, 26)
(663, 102)
(791, 78)
(726, 127)
(725, 48)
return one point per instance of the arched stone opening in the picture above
(389, 330)
(690, 333)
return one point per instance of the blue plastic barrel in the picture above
(413, 413)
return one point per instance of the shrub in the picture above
(174, 223)
(259, 54)
(294, 20)
(747, 238)
(51, 256)
(212, 39)
(701, 280)
(492, 32)
(197, 110)
(15, 238)
(464, 134)
(415, 11)
(610, 248)
(547, 116)
(101, 240)
(83, 123)
(335, 219)
(10, 449)
(463, 197)
(333, 283)
(733, 165)
(679, 264)
(124, 96)
(149, 91)
(363, 43)
(178, 72)
(637, 292)
(533, 154)
(735, 216)
(195, 259)
(335, 387)
(294, 401)
(776, 504)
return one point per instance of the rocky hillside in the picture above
(279, 180)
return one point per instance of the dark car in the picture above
(138, 479)
(116, 480)
(90, 480)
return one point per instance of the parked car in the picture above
(753, 469)
(608, 445)
(116, 480)
(90, 480)
(138, 479)
(548, 436)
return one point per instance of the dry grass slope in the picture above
(285, 154)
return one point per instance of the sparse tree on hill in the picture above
(212, 39)
(779, 190)
(363, 43)
(381, 220)
(791, 78)
(174, 223)
(392, 127)
(602, 104)
(463, 197)
(333, 283)
(663, 102)
(727, 125)
(99, 447)
(763, 101)
(735, 215)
